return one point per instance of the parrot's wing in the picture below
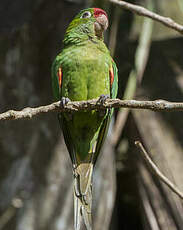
(113, 73)
(57, 75)
(67, 137)
(113, 77)
(56, 80)
(102, 135)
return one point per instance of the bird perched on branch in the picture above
(84, 70)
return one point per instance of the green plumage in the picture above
(84, 70)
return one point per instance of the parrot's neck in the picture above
(78, 40)
(79, 35)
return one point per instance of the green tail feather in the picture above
(83, 196)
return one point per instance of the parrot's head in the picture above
(97, 17)
(91, 22)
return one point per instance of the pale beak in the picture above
(100, 25)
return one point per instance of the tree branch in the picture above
(156, 171)
(157, 105)
(147, 13)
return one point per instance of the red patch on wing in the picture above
(98, 12)
(111, 74)
(59, 75)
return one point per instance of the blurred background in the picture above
(35, 169)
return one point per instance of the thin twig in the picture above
(7, 216)
(156, 171)
(147, 13)
(75, 106)
(114, 31)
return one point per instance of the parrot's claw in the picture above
(103, 98)
(64, 101)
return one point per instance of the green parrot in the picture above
(84, 70)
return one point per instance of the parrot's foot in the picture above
(64, 101)
(102, 100)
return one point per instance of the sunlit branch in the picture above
(147, 13)
(157, 105)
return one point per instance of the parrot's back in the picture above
(86, 76)
(85, 70)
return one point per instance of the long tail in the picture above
(83, 195)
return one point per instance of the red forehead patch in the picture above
(98, 11)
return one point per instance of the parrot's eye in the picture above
(86, 14)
